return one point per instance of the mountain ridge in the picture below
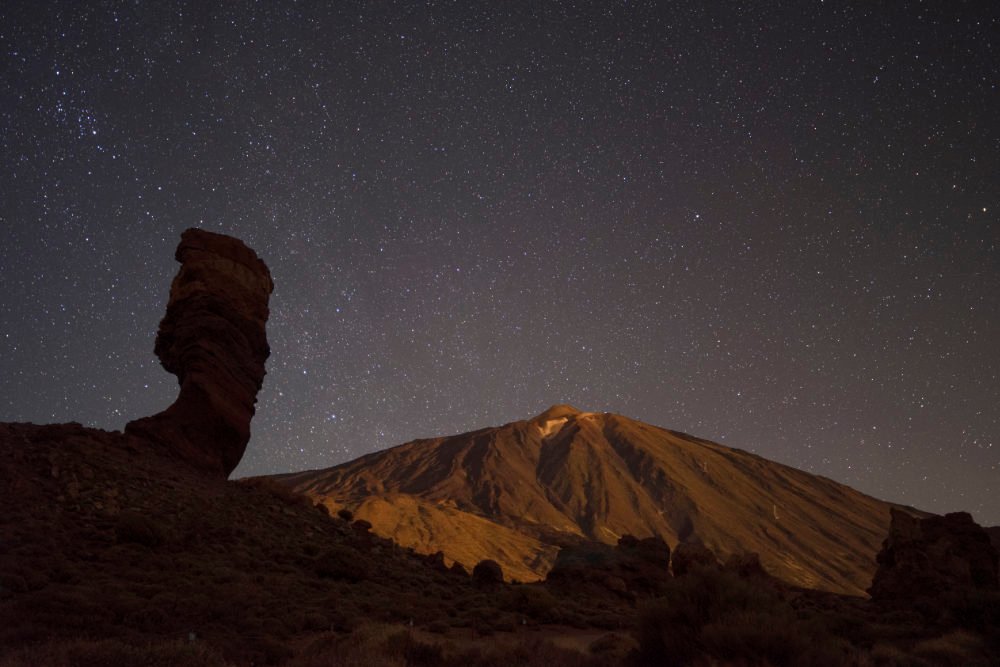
(519, 491)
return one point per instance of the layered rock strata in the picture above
(213, 339)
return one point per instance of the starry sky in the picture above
(773, 225)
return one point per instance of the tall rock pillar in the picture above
(213, 339)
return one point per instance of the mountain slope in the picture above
(515, 493)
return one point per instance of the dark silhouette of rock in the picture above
(436, 561)
(931, 556)
(994, 533)
(213, 339)
(633, 566)
(648, 549)
(689, 556)
(745, 565)
(487, 572)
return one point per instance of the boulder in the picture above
(930, 556)
(689, 556)
(633, 566)
(746, 565)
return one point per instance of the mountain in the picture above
(132, 548)
(129, 548)
(518, 492)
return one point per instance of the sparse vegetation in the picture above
(715, 614)
(192, 572)
(108, 652)
(487, 573)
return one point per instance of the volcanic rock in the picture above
(994, 533)
(213, 339)
(633, 566)
(689, 556)
(745, 565)
(519, 492)
(926, 557)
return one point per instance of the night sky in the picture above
(773, 225)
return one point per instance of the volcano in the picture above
(518, 493)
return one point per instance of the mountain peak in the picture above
(558, 411)
(516, 493)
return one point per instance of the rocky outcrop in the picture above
(689, 556)
(926, 557)
(994, 533)
(213, 339)
(632, 567)
(745, 565)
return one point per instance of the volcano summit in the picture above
(517, 493)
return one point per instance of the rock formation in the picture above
(690, 556)
(994, 533)
(926, 557)
(631, 567)
(213, 339)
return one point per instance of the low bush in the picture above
(487, 573)
(716, 615)
(341, 564)
(534, 601)
(955, 648)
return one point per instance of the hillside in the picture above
(516, 492)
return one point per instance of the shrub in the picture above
(149, 619)
(606, 644)
(976, 610)
(956, 648)
(415, 652)
(535, 601)
(438, 627)
(487, 572)
(715, 614)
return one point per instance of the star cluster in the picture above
(773, 225)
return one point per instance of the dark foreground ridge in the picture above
(213, 339)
